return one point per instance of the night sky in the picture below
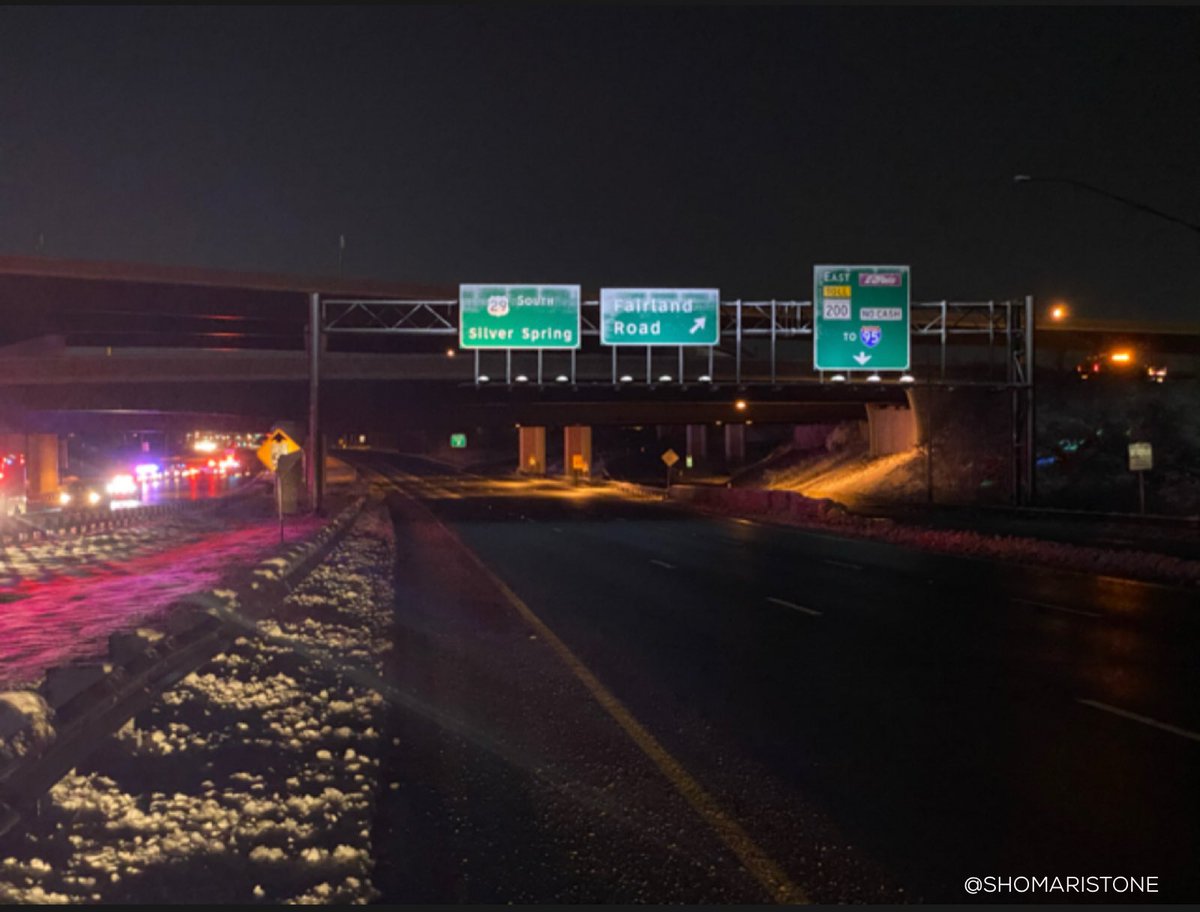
(728, 147)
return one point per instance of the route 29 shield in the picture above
(870, 335)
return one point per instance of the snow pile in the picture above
(794, 508)
(253, 780)
(25, 724)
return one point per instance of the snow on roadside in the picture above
(796, 509)
(252, 780)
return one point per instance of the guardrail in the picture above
(77, 704)
(41, 526)
(53, 523)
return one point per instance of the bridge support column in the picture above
(891, 429)
(41, 467)
(921, 404)
(531, 443)
(577, 451)
(697, 442)
(735, 444)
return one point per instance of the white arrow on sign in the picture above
(862, 357)
(697, 325)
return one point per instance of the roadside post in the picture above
(272, 452)
(1141, 461)
(670, 457)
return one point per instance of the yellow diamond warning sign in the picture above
(277, 444)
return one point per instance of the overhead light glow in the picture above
(704, 378)
(562, 378)
(874, 378)
(521, 378)
(907, 378)
(838, 378)
(1121, 357)
(665, 378)
(205, 446)
(482, 378)
(740, 405)
(625, 378)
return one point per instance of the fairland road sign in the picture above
(518, 316)
(861, 318)
(660, 316)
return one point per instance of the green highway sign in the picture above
(861, 318)
(660, 316)
(518, 316)
(458, 441)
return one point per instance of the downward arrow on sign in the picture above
(862, 357)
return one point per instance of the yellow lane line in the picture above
(756, 861)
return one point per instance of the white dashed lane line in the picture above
(1060, 608)
(1144, 720)
(838, 563)
(794, 606)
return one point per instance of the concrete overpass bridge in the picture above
(87, 339)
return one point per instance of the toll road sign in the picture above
(861, 318)
(1141, 457)
(518, 316)
(277, 445)
(660, 316)
(670, 457)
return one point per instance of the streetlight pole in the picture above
(1070, 181)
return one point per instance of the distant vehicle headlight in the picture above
(93, 498)
(122, 486)
(64, 498)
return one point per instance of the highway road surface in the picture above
(613, 700)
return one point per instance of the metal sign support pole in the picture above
(314, 454)
(1030, 406)
(773, 325)
(738, 342)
